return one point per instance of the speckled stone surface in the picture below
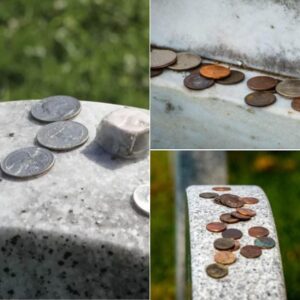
(260, 278)
(74, 232)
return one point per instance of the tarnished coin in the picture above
(221, 188)
(214, 71)
(234, 78)
(262, 83)
(56, 108)
(239, 216)
(246, 211)
(185, 61)
(296, 104)
(161, 58)
(232, 233)
(28, 162)
(141, 198)
(225, 257)
(156, 72)
(258, 231)
(249, 200)
(197, 82)
(236, 247)
(250, 251)
(62, 136)
(224, 244)
(230, 200)
(265, 243)
(209, 195)
(228, 218)
(216, 271)
(289, 88)
(216, 227)
(260, 99)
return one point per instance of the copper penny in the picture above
(225, 257)
(217, 201)
(250, 251)
(234, 78)
(185, 61)
(249, 200)
(239, 216)
(224, 244)
(296, 104)
(197, 82)
(216, 271)
(221, 188)
(246, 211)
(262, 83)
(289, 88)
(260, 99)
(258, 231)
(214, 71)
(209, 195)
(230, 200)
(232, 233)
(236, 247)
(161, 58)
(264, 242)
(156, 72)
(216, 227)
(228, 218)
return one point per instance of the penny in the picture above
(216, 227)
(236, 247)
(197, 82)
(289, 88)
(264, 242)
(214, 71)
(217, 201)
(258, 231)
(216, 271)
(224, 244)
(156, 72)
(56, 108)
(161, 58)
(28, 162)
(250, 251)
(62, 136)
(260, 99)
(239, 216)
(249, 200)
(246, 211)
(221, 188)
(296, 104)
(234, 78)
(186, 61)
(230, 200)
(262, 83)
(208, 195)
(141, 198)
(228, 218)
(225, 257)
(232, 233)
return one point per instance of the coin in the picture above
(208, 195)
(197, 82)
(228, 218)
(224, 244)
(250, 251)
(230, 200)
(214, 71)
(28, 162)
(186, 61)
(216, 271)
(62, 136)
(289, 88)
(296, 104)
(225, 257)
(239, 216)
(221, 188)
(141, 198)
(233, 78)
(249, 200)
(246, 211)
(56, 108)
(216, 227)
(262, 83)
(156, 72)
(232, 233)
(260, 99)
(161, 58)
(258, 231)
(236, 247)
(264, 242)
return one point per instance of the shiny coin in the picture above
(216, 227)
(233, 78)
(228, 218)
(250, 251)
(186, 61)
(221, 188)
(264, 242)
(28, 162)
(62, 136)
(216, 271)
(239, 216)
(289, 88)
(161, 58)
(156, 72)
(249, 200)
(262, 83)
(214, 71)
(197, 82)
(225, 257)
(296, 104)
(258, 231)
(208, 195)
(232, 233)
(260, 99)
(141, 198)
(56, 108)
(246, 211)
(230, 200)
(236, 247)
(224, 244)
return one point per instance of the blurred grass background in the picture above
(276, 172)
(91, 49)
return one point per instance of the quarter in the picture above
(186, 61)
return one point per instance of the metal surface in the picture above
(197, 82)
(260, 99)
(234, 78)
(214, 71)
(186, 61)
(262, 83)
(161, 58)
(289, 88)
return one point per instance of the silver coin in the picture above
(141, 197)
(28, 162)
(62, 136)
(289, 88)
(56, 108)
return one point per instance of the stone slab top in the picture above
(259, 278)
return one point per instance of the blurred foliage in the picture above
(91, 49)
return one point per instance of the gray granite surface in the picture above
(73, 232)
(250, 279)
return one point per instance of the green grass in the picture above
(90, 49)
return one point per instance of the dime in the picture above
(232, 233)
(230, 200)
(56, 108)
(197, 82)
(216, 227)
(62, 136)
(216, 271)
(161, 58)
(260, 99)
(214, 71)
(28, 162)
(228, 218)
(264, 242)
(250, 251)
(258, 231)
(239, 216)
(221, 188)
(225, 257)
(249, 200)
(141, 198)
(246, 211)
(236, 247)
(262, 83)
(186, 61)
(296, 104)
(289, 88)
(233, 78)
(224, 244)
(156, 72)
(208, 195)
